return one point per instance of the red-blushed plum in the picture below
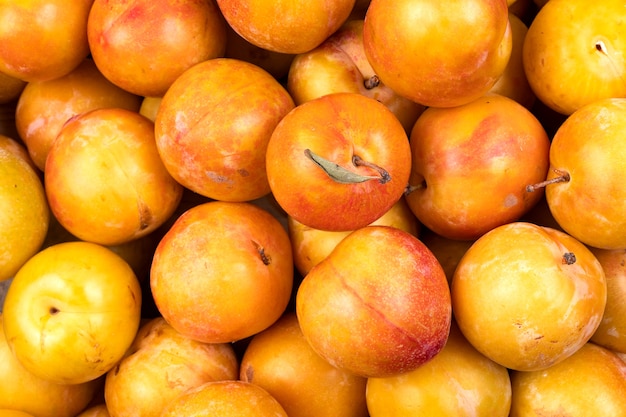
(377, 305)
(142, 46)
(528, 296)
(439, 54)
(339, 65)
(285, 27)
(213, 126)
(338, 162)
(105, 180)
(472, 164)
(222, 272)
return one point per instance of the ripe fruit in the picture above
(213, 127)
(222, 272)
(99, 410)
(10, 88)
(611, 333)
(527, 296)
(513, 82)
(311, 246)
(377, 305)
(42, 39)
(572, 57)
(280, 360)
(338, 162)
(472, 163)
(339, 65)
(591, 382)
(458, 381)
(104, 179)
(44, 106)
(439, 54)
(142, 46)
(160, 365)
(278, 26)
(227, 399)
(584, 190)
(71, 312)
(22, 390)
(24, 212)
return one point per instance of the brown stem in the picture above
(345, 176)
(384, 175)
(563, 176)
(372, 82)
(410, 188)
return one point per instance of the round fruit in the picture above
(527, 296)
(377, 305)
(222, 272)
(438, 54)
(72, 311)
(213, 126)
(104, 179)
(459, 382)
(24, 212)
(225, 399)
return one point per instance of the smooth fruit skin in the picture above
(214, 124)
(43, 39)
(527, 296)
(281, 361)
(44, 106)
(471, 165)
(98, 410)
(20, 389)
(105, 180)
(588, 146)
(72, 311)
(338, 127)
(438, 54)
(378, 305)
(222, 272)
(24, 210)
(227, 399)
(459, 381)
(278, 26)
(339, 65)
(310, 246)
(591, 382)
(611, 333)
(572, 57)
(160, 365)
(142, 46)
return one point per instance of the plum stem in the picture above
(563, 176)
(372, 82)
(345, 176)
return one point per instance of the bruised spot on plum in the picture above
(569, 258)
(145, 216)
(243, 172)
(264, 256)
